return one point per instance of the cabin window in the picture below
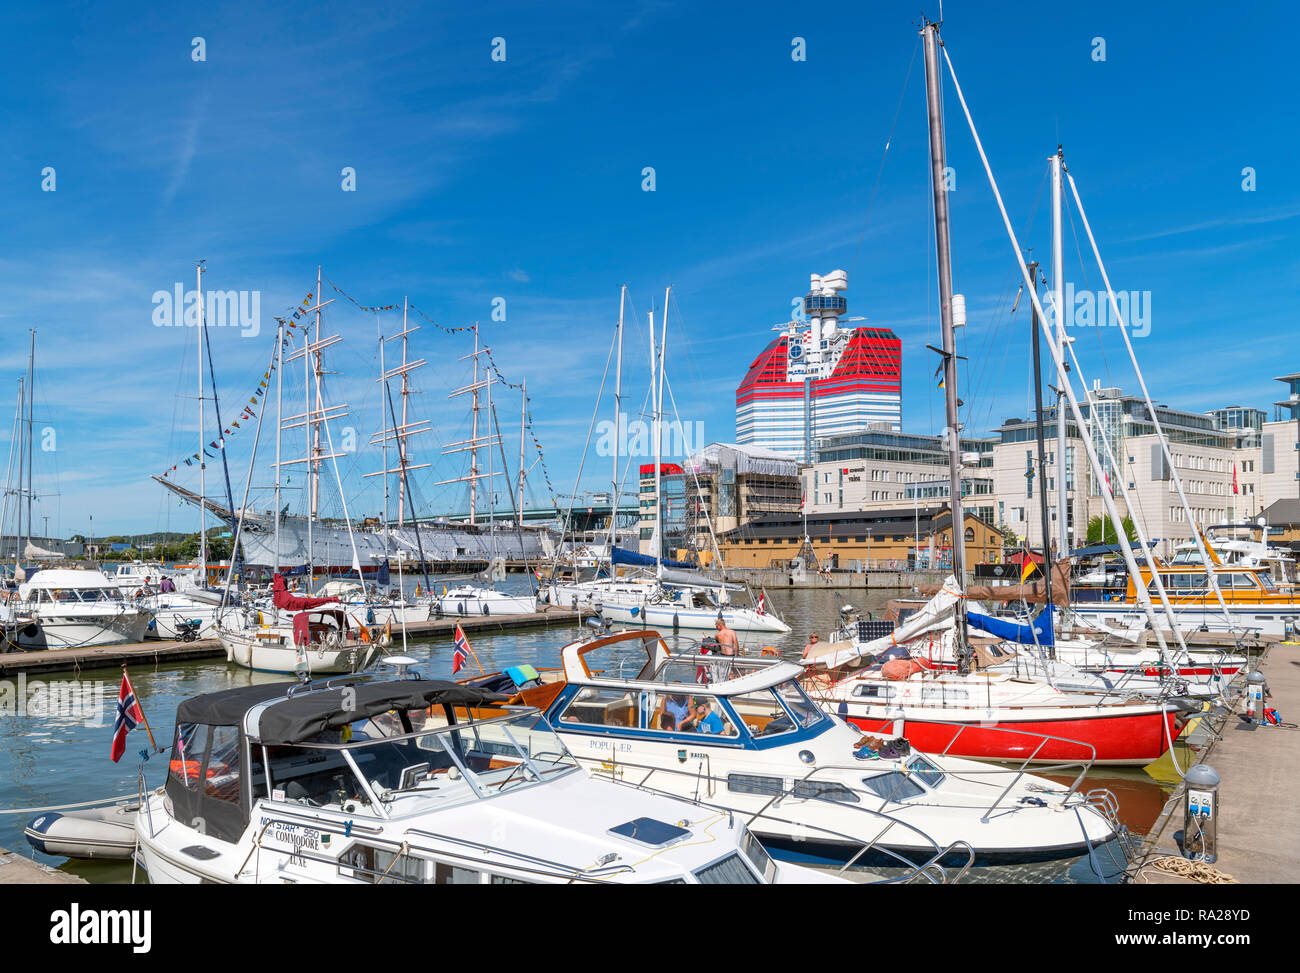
(826, 790)
(930, 775)
(894, 785)
(874, 692)
(805, 711)
(379, 867)
(762, 714)
(754, 784)
(731, 870)
(943, 693)
(597, 706)
(223, 774)
(445, 874)
(187, 755)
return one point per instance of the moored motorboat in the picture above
(414, 781)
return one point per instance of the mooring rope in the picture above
(1199, 872)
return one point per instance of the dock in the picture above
(1259, 771)
(16, 869)
(159, 652)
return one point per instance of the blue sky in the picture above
(522, 179)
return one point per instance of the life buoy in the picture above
(769, 650)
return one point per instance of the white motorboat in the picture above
(811, 787)
(411, 781)
(75, 609)
(465, 600)
(691, 609)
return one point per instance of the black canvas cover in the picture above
(227, 707)
(303, 716)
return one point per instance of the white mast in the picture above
(658, 432)
(203, 512)
(383, 416)
(279, 418)
(944, 261)
(1058, 305)
(618, 433)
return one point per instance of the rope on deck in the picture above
(1194, 871)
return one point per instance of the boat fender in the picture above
(677, 622)
(460, 608)
(843, 709)
(487, 609)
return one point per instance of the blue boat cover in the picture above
(1015, 632)
(619, 556)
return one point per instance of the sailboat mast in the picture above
(1042, 452)
(307, 428)
(383, 416)
(279, 392)
(618, 426)
(203, 511)
(401, 440)
(952, 433)
(523, 431)
(1058, 305)
(473, 452)
(659, 428)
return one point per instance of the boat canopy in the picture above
(1041, 633)
(302, 716)
(618, 555)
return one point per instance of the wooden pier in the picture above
(17, 869)
(158, 652)
(1259, 773)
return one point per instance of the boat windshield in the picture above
(373, 760)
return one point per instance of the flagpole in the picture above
(143, 719)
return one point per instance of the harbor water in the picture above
(58, 729)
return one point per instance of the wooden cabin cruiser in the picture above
(1254, 601)
(413, 781)
(68, 609)
(741, 733)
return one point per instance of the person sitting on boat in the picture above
(677, 709)
(706, 721)
(166, 585)
(811, 646)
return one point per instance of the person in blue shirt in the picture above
(705, 720)
(677, 709)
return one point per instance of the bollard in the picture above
(1201, 815)
(1255, 697)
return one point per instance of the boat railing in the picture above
(931, 870)
(472, 854)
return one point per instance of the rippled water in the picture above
(64, 757)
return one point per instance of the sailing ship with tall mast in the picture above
(303, 635)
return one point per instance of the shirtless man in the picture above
(728, 644)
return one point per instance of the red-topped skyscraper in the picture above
(818, 378)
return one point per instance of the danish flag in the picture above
(761, 607)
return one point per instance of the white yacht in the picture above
(75, 609)
(741, 733)
(412, 781)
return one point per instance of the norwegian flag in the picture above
(129, 716)
(460, 655)
(1234, 477)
